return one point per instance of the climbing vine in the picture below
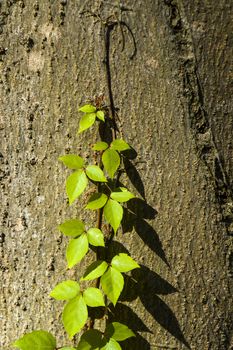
(108, 200)
(103, 281)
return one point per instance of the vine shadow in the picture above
(146, 285)
(134, 218)
(133, 174)
(153, 285)
(122, 313)
(143, 283)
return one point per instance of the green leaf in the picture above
(100, 115)
(113, 213)
(100, 146)
(119, 145)
(72, 228)
(91, 340)
(112, 283)
(76, 250)
(124, 263)
(75, 185)
(93, 297)
(87, 109)
(122, 196)
(111, 161)
(118, 331)
(75, 315)
(86, 121)
(36, 340)
(67, 348)
(95, 270)
(65, 290)
(96, 201)
(95, 237)
(112, 345)
(72, 161)
(95, 173)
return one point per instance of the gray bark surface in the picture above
(174, 100)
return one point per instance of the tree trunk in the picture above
(174, 106)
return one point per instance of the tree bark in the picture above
(174, 100)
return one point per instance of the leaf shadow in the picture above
(146, 284)
(162, 313)
(133, 174)
(145, 231)
(115, 248)
(141, 209)
(143, 281)
(96, 312)
(151, 282)
(124, 314)
(153, 285)
(137, 342)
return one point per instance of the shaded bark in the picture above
(174, 109)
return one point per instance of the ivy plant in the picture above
(106, 277)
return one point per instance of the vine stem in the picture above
(107, 32)
(107, 28)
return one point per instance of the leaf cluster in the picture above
(108, 199)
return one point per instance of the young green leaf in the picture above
(112, 345)
(119, 145)
(124, 263)
(100, 115)
(40, 340)
(122, 196)
(75, 185)
(72, 228)
(65, 290)
(111, 161)
(91, 340)
(113, 213)
(96, 201)
(87, 109)
(74, 315)
(95, 237)
(112, 283)
(76, 250)
(86, 121)
(118, 331)
(72, 161)
(100, 146)
(95, 173)
(95, 270)
(93, 297)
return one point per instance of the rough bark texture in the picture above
(174, 108)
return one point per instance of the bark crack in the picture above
(198, 120)
(199, 124)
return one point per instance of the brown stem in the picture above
(112, 114)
